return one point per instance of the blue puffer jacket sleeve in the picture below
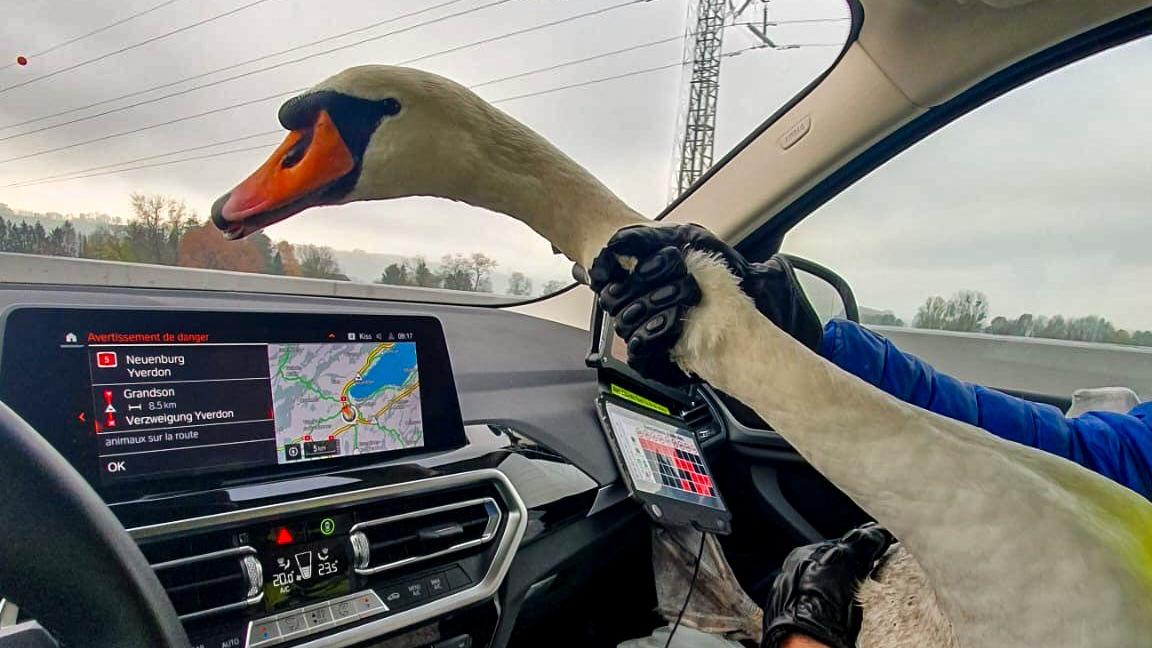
(1118, 446)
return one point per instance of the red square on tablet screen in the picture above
(105, 359)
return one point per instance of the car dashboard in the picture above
(443, 544)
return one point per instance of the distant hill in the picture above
(367, 267)
(359, 265)
(84, 223)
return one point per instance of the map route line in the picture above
(300, 379)
(323, 391)
(372, 355)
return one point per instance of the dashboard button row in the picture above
(412, 592)
(314, 618)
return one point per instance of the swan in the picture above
(1001, 545)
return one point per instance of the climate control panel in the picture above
(336, 570)
(277, 629)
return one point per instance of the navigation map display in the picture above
(139, 394)
(345, 399)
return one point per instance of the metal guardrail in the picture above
(67, 271)
(1056, 367)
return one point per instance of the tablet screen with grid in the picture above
(662, 459)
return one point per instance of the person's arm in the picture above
(1117, 446)
(812, 603)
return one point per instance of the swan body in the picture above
(1017, 547)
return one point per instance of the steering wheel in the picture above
(66, 560)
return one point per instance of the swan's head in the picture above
(368, 133)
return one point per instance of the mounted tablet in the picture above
(663, 466)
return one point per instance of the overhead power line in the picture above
(154, 165)
(503, 79)
(133, 46)
(98, 30)
(141, 129)
(311, 57)
(587, 59)
(458, 48)
(157, 156)
(201, 75)
(506, 99)
(613, 77)
(582, 84)
(798, 21)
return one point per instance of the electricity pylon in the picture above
(703, 50)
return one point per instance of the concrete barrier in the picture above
(67, 271)
(1056, 367)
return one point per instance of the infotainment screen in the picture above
(133, 394)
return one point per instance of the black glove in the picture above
(649, 304)
(815, 593)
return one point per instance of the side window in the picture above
(1028, 219)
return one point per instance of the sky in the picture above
(1040, 199)
(623, 131)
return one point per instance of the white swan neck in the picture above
(515, 171)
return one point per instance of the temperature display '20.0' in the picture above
(306, 572)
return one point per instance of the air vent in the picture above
(212, 583)
(698, 417)
(400, 540)
(697, 414)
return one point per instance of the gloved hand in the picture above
(649, 304)
(815, 593)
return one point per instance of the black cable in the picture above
(133, 46)
(98, 30)
(309, 57)
(691, 588)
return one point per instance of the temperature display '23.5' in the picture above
(303, 572)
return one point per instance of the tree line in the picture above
(459, 272)
(968, 311)
(164, 231)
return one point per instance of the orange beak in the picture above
(308, 161)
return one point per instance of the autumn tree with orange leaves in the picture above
(203, 247)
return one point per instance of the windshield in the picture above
(120, 123)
